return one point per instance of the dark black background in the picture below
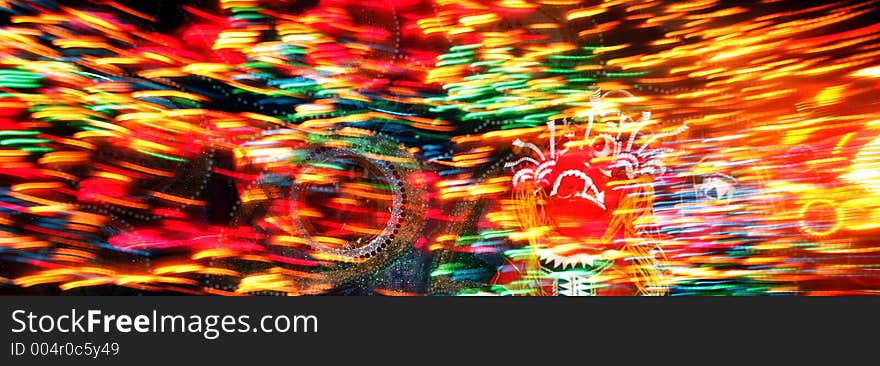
(491, 331)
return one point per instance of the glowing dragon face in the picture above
(579, 198)
(578, 181)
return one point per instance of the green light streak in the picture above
(18, 133)
(163, 156)
(23, 141)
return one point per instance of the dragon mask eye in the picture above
(602, 146)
